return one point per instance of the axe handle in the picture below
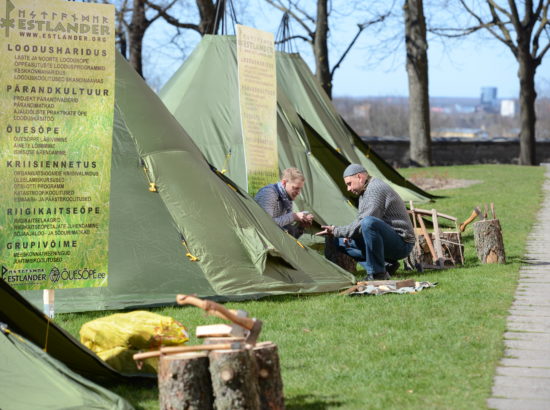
(215, 309)
(493, 210)
(182, 349)
(464, 224)
(428, 238)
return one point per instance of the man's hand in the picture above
(304, 218)
(327, 230)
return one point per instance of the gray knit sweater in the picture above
(380, 200)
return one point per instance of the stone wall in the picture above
(458, 152)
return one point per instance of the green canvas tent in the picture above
(313, 105)
(21, 317)
(44, 367)
(32, 379)
(203, 96)
(239, 251)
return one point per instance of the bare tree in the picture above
(527, 34)
(416, 46)
(317, 34)
(133, 20)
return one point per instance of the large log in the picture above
(234, 379)
(269, 376)
(339, 258)
(184, 382)
(488, 241)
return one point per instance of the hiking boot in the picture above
(382, 276)
(391, 267)
(368, 278)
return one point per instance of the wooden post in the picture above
(48, 296)
(269, 376)
(341, 259)
(234, 379)
(488, 241)
(184, 382)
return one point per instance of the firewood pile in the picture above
(230, 370)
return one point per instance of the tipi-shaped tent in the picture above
(44, 367)
(21, 317)
(237, 249)
(32, 379)
(203, 96)
(313, 105)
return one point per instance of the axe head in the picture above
(253, 333)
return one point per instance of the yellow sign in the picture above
(57, 81)
(258, 105)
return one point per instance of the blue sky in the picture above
(457, 68)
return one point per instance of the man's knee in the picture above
(369, 223)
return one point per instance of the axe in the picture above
(252, 325)
(473, 216)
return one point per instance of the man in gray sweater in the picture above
(382, 233)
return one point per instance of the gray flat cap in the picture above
(353, 169)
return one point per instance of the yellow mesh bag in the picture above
(117, 337)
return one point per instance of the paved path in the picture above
(522, 380)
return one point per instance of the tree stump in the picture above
(488, 241)
(339, 258)
(184, 382)
(234, 379)
(269, 376)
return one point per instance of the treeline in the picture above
(389, 117)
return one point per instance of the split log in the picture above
(341, 259)
(184, 382)
(234, 379)
(269, 376)
(488, 241)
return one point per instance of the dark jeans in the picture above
(374, 245)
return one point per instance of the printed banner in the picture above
(258, 104)
(57, 82)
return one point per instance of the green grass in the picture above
(435, 349)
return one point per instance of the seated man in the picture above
(382, 233)
(276, 200)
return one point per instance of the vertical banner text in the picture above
(258, 105)
(57, 77)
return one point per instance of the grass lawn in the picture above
(435, 349)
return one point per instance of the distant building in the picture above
(459, 133)
(489, 101)
(508, 108)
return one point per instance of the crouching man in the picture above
(382, 233)
(276, 200)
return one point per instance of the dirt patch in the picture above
(441, 182)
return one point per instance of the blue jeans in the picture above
(374, 245)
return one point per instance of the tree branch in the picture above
(543, 27)
(360, 28)
(169, 19)
(284, 40)
(507, 37)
